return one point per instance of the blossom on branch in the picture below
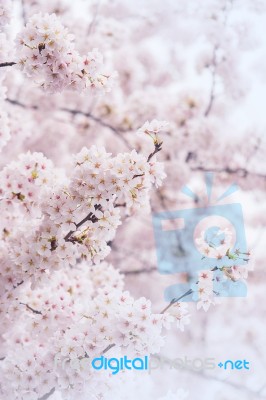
(46, 53)
(68, 218)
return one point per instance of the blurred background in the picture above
(201, 67)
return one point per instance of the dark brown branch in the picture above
(158, 147)
(90, 217)
(20, 283)
(120, 205)
(31, 309)
(7, 64)
(19, 104)
(136, 176)
(108, 348)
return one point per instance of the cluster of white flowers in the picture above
(70, 219)
(69, 326)
(203, 290)
(231, 267)
(126, 178)
(217, 283)
(46, 53)
(23, 183)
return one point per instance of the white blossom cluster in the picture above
(226, 276)
(68, 219)
(55, 229)
(215, 284)
(64, 329)
(46, 53)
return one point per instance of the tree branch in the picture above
(116, 131)
(31, 309)
(90, 217)
(139, 271)
(242, 172)
(7, 64)
(20, 283)
(158, 147)
(176, 300)
(19, 104)
(108, 348)
(47, 395)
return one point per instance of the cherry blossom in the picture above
(47, 54)
(80, 175)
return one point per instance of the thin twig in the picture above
(242, 172)
(7, 64)
(158, 147)
(117, 131)
(139, 271)
(108, 348)
(20, 283)
(31, 309)
(19, 104)
(90, 217)
(173, 301)
(47, 395)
